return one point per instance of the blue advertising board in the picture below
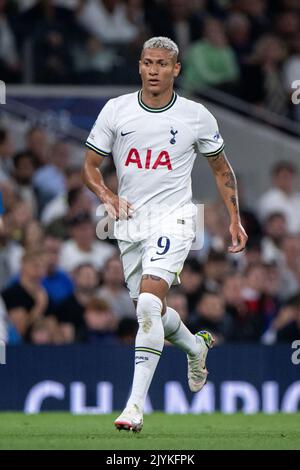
(87, 379)
(64, 111)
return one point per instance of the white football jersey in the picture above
(154, 149)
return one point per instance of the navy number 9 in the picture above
(164, 243)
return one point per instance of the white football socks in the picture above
(178, 334)
(148, 346)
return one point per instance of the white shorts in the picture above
(162, 255)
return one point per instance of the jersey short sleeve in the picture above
(209, 140)
(101, 136)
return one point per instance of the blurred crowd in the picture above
(247, 48)
(61, 283)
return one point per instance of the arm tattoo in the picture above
(234, 201)
(218, 163)
(216, 157)
(230, 182)
(151, 276)
(226, 181)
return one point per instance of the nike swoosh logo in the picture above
(139, 362)
(155, 259)
(126, 133)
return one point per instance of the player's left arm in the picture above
(227, 186)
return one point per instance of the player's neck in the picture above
(156, 101)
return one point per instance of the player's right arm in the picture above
(117, 208)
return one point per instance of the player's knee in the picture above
(149, 305)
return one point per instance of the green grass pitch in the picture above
(161, 432)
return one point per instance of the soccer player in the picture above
(154, 136)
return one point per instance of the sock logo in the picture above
(141, 349)
(140, 359)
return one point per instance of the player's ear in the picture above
(177, 69)
(140, 63)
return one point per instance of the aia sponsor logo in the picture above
(148, 161)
